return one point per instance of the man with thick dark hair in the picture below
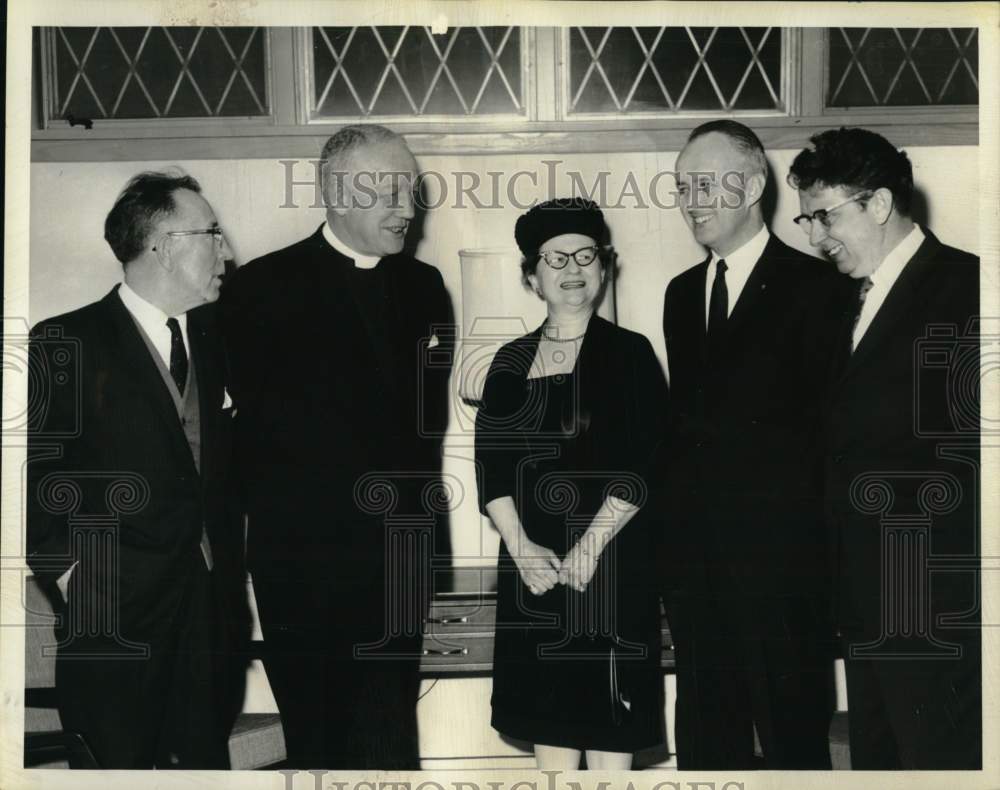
(902, 462)
(127, 490)
(340, 355)
(749, 338)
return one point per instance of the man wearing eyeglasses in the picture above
(749, 338)
(901, 482)
(127, 491)
(340, 364)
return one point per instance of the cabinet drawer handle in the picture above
(447, 620)
(457, 651)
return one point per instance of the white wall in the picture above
(71, 265)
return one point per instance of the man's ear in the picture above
(881, 204)
(755, 188)
(163, 251)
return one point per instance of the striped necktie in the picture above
(865, 287)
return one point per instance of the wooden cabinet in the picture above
(458, 634)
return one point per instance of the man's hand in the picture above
(539, 566)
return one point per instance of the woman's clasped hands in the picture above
(541, 569)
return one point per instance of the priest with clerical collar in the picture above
(341, 402)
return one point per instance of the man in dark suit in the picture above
(748, 334)
(340, 359)
(127, 475)
(902, 463)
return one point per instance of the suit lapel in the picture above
(757, 282)
(693, 303)
(208, 388)
(898, 302)
(142, 368)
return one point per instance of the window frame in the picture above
(883, 109)
(307, 115)
(787, 79)
(47, 51)
(289, 131)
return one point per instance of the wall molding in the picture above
(142, 142)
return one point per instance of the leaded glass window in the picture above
(674, 69)
(410, 71)
(872, 67)
(156, 72)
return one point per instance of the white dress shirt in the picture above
(739, 264)
(884, 277)
(154, 322)
(361, 261)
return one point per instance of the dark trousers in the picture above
(153, 702)
(342, 705)
(913, 714)
(744, 664)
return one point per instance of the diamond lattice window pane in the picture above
(409, 71)
(898, 67)
(674, 69)
(146, 72)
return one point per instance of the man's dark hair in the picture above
(858, 160)
(742, 137)
(146, 198)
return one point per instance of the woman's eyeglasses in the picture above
(558, 260)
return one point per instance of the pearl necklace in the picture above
(562, 339)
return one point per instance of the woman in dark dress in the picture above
(569, 424)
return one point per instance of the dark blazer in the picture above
(745, 553)
(318, 409)
(907, 403)
(106, 441)
(744, 430)
(902, 469)
(123, 421)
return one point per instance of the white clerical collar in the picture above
(892, 265)
(744, 258)
(146, 313)
(361, 261)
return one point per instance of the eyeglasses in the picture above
(558, 260)
(216, 233)
(822, 216)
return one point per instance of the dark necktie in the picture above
(718, 304)
(178, 355)
(866, 286)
